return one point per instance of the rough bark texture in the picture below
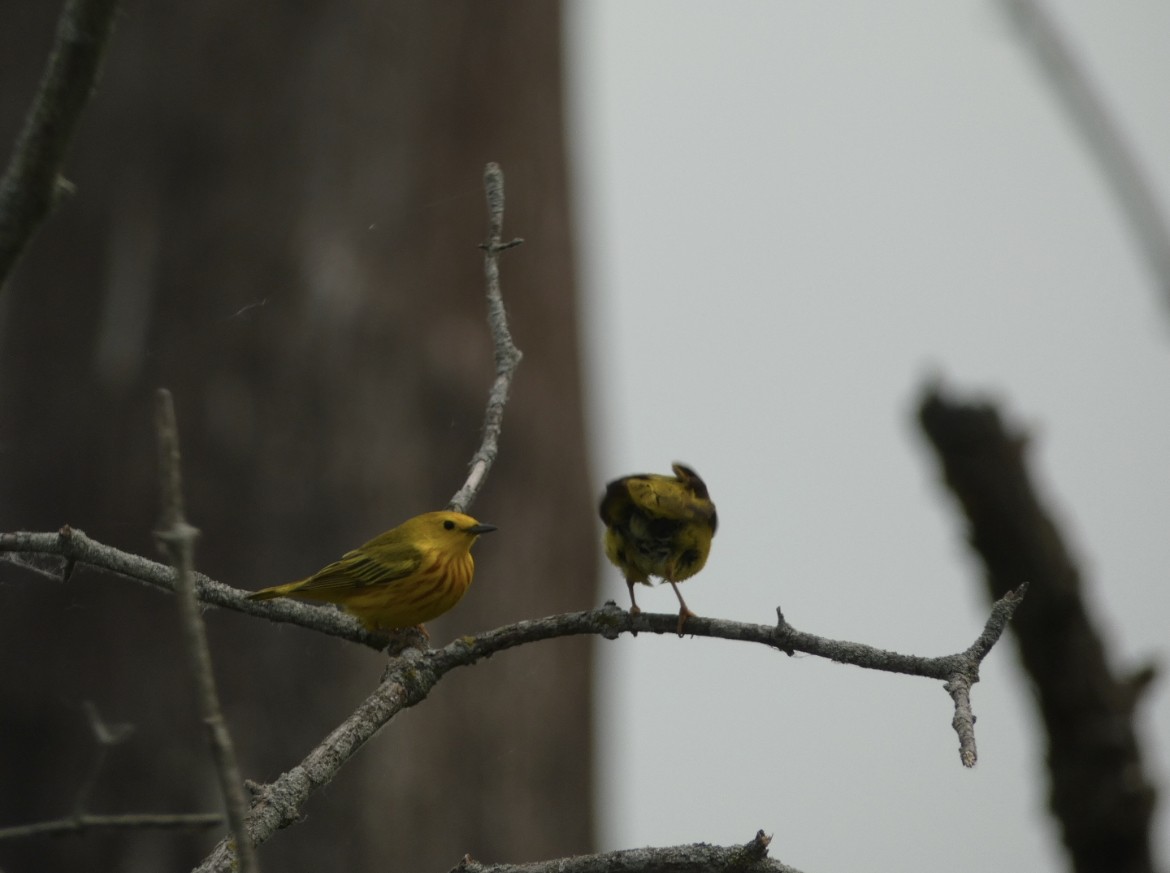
(1100, 792)
(277, 215)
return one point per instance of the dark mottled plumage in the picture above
(659, 526)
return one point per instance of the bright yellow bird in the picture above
(659, 526)
(401, 578)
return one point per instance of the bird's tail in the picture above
(691, 479)
(275, 591)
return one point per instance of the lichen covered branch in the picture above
(506, 354)
(695, 858)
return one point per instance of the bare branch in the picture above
(960, 671)
(959, 687)
(132, 821)
(29, 550)
(507, 355)
(177, 538)
(32, 182)
(959, 684)
(698, 857)
(608, 621)
(411, 676)
(1090, 113)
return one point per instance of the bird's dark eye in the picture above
(448, 525)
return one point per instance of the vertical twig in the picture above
(32, 182)
(1090, 114)
(507, 355)
(963, 722)
(177, 539)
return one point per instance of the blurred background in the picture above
(754, 233)
(792, 216)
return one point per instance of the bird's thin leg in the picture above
(634, 610)
(683, 611)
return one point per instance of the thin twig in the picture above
(698, 857)
(506, 354)
(1090, 113)
(131, 821)
(177, 538)
(411, 676)
(106, 738)
(32, 182)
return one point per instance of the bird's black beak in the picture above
(478, 529)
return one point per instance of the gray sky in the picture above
(791, 214)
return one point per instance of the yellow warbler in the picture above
(659, 526)
(401, 578)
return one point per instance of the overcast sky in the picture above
(791, 215)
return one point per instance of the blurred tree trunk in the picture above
(277, 215)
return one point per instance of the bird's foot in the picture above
(683, 615)
(635, 611)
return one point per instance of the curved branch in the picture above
(72, 547)
(506, 354)
(32, 181)
(1089, 112)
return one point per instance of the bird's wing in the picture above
(360, 568)
(616, 504)
(666, 497)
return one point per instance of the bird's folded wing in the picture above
(359, 569)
